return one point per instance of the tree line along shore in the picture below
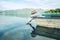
(53, 11)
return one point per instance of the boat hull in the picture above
(45, 22)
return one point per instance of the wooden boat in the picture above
(48, 27)
(48, 21)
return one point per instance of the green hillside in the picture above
(53, 11)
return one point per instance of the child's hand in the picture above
(28, 23)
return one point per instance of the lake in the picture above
(15, 28)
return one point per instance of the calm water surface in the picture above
(15, 28)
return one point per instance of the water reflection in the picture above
(15, 28)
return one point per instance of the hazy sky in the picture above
(19, 4)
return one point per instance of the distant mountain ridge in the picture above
(19, 12)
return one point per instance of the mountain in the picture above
(19, 12)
